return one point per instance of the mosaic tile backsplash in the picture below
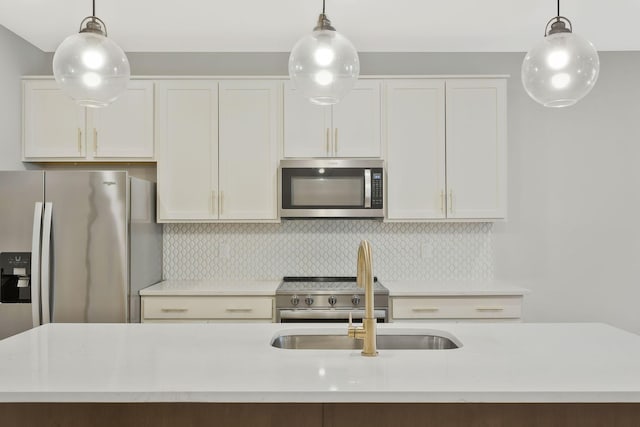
(401, 251)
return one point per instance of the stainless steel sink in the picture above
(335, 341)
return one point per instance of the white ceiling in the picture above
(372, 25)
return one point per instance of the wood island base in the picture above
(320, 414)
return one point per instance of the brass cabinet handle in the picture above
(328, 133)
(95, 141)
(239, 310)
(442, 197)
(451, 201)
(425, 309)
(489, 308)
(213, 202)
(335, 142)
(221, 202)
(79, 141)
(174, 310)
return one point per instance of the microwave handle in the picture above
(367, 188)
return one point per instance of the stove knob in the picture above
(332, 300)
(308, 300)
(295, 300)
(355, 300)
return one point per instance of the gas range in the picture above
(327, 299)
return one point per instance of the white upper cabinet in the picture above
(218, 150)
(350, 128)
(415, 129)
(124, 129)
(249, 118)
(307, 126)
(446, 166)
(53, 125)
(55, 128)
(187, 140)
(476, 148)
(356, 122)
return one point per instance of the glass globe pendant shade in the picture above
(561, 69)
(91, 68)
(324, 65)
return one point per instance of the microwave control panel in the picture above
(377, 190)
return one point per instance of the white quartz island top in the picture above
(212, 287)
(236, 363)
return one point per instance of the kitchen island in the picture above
(574, 372)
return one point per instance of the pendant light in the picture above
(89, 67)
(562, 68)
(324, 65)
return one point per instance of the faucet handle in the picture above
(356, 332)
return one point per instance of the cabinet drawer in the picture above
(500, 307)
(201, 307)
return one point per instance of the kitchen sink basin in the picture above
(397, 340)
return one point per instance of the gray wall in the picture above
(18, 58)
(572, 235)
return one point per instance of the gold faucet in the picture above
(367, 331)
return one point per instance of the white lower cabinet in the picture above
(495, 308)
(206, 308)
(445, 149)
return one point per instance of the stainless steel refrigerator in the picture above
(92, 240)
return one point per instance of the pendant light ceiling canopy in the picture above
(324, 65)
(562, 68)
(89, 67)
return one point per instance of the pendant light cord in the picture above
(322, 6)
(94, 7)
(558, 7)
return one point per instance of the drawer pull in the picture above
(425, 309)
(489, 308)
(174, 310)
(239, 310)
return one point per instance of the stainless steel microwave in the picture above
(331, 188)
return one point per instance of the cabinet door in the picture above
(307, 126)
(415, 143)
(124, 129)
(250, 112)
(476, 148)
(53, 124)
(356, 122)
(187, 133)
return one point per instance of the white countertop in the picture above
(212, 287)
(235, 363)
(400, 288)
(397, 288)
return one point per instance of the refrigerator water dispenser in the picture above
(15, 277)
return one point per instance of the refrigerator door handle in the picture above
(46, 260)
(35, 264)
